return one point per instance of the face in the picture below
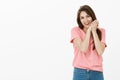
(85, 19)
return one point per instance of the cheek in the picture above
(82, 21)
(90, 19)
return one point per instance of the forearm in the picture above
(85, 42)
(98, 45)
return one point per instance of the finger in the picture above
(96, 22)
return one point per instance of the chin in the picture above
(87, 26)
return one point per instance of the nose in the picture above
(86, 19)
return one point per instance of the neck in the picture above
(85, 29)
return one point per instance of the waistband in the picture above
(87, 70)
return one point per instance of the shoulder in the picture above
(76, 28)
(102, 29)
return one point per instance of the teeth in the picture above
(86, 23)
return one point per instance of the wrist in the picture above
(89, 29)
(94, 30)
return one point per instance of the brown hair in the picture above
(91, 13)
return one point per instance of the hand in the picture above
(94, 25)
(89, 29)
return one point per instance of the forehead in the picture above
(83, 13)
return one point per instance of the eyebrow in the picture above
(81, 17)
(85, 15)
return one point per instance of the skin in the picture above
(90, 29)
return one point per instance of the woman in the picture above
(89, 44)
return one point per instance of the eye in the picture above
(88, 16)
(81, 17)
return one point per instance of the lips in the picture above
(86, 23)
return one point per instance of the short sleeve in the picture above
(74, 33)
(103, 37)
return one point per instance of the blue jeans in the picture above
(84, 74)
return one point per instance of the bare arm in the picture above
(83, 44)
(100, 47)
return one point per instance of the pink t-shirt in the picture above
(90, 60)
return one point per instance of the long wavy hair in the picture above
(91, 13)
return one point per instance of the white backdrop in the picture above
(35, 35)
